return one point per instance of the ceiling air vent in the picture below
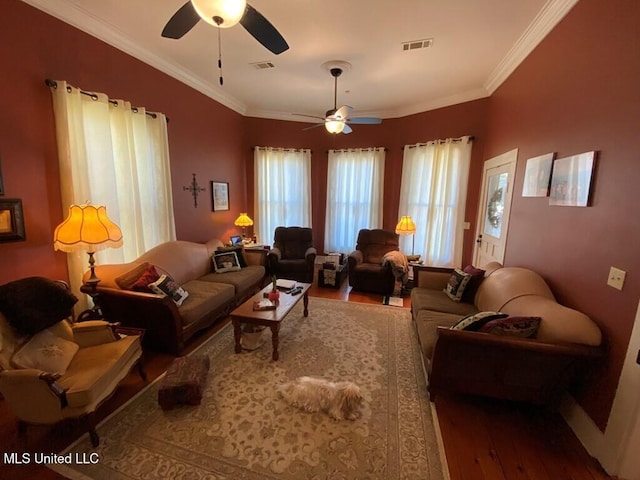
(262, 65)
(417, 44)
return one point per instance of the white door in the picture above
(495, 206)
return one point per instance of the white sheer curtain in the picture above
(282, 182)
(434, 192)
(355, 184)
(116, 156)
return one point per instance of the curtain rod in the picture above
(453, 140)
(280, 148)
(354, 149)
(53, 84)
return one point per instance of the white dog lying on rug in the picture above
(341, 400)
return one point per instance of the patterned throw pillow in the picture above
(166, 285)
(239, 249)
(150, 275)
(476, 321)
(47, 352)
(226, 262)
(456, 284)
(525, 327)
(127, 279)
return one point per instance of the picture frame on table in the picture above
(537, 176)
(11, 220)
(235, 240)
(219, 196)
(571, 180)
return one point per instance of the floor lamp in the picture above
(406, 227)
(87, 227)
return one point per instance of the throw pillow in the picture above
(239, 249)
(47, 352)
(457, 283)
(525, 327)
(475, 321)
(34, 303)
(150, 275)
(126, 280)
(166, 285)
(477, 276)
(226, 262)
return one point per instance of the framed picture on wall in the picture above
(537, 176)
(11, 220)
(571, 180)
(219, 196)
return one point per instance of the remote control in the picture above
(296, 291)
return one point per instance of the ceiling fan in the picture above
(336, 120)
(225, 14)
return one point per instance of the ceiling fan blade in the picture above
(346, 129)
(365, 120)
(314, 126)
(343, 112)
(181, 22)
(260, 28)
(304, 115)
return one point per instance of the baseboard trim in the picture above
(584, 427)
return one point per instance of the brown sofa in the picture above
(536, 370)
(366, 270)
(168, 326)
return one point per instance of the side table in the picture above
(330, 278)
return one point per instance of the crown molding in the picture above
(76, 16)
(545, 21)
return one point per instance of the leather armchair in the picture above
(366, 271)
(40, 396)
(293, 255)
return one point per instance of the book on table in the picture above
(264, 304)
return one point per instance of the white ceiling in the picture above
(476, 45)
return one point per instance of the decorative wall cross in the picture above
(195, 189)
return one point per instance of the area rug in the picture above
(244, 430)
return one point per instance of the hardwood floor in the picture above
(484, 439)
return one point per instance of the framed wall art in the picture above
(571, 180)
(537, 176)
(219, 196)
(11, 220)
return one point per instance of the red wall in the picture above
(455, 121)
(204, 137)
(578, 91)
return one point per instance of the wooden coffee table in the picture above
(268, 318)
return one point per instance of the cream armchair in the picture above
(101, 360)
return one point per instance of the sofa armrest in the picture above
(510, 368)
(157, 314)
(93, 332)
(274, 254)
(310, 255)
(354, 258)
(433, 278)
(33, 395)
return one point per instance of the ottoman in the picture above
(184, 382)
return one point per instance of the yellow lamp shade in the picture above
(243, 220)
(405, 226)
(87, 227)
(220, 13)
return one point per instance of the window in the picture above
(433, 192)
(114, 155)
(355, 182)
(282, 190)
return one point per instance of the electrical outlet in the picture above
(616, 278)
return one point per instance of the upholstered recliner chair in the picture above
(52, 369)
(366, 270)
(293, 255)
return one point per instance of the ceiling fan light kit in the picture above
(334, 126)
(220, 13)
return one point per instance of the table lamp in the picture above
(87, 227)
(243, 221)
(406, 227)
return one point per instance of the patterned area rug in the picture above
(243, 429)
